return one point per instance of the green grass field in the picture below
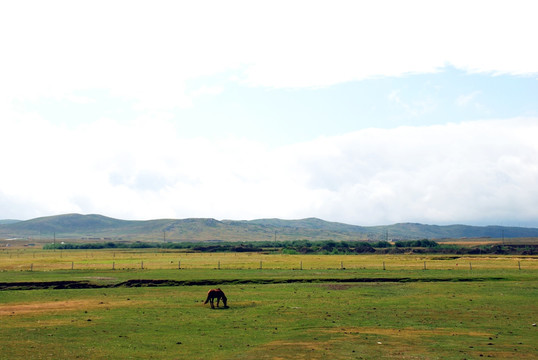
(448, 311)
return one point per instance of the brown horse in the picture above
(216, 294)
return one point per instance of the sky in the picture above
(367, 113)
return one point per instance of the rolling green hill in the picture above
(98, 227)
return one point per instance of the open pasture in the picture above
(447, 311)
(489, 241)
(24, 259)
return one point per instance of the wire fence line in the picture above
(46, 260)
(182, 264)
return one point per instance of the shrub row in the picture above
(309, 247)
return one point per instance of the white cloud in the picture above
(147, 52)
(477, 172)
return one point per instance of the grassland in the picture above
(293, 307)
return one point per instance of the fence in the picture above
(39, 260)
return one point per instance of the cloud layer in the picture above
(149, 52)
(477, 172)
(93, 97)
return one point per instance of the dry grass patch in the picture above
(57, 306)
(32, 325)
(406, 343)
(280, 349)
(405, 332)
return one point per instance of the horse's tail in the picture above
(209, 295)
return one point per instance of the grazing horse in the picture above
(216, 294)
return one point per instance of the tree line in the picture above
(308, 247)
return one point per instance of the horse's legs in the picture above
(211, 302)
(218, 300)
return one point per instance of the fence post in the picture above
(519, 264)
(31, 267)
(470, 266)
(218, 265)
(113, 265)
(383, 265)
(179, 265)
(260, 264)
(72, 265)
(341, 265)
(301, 268)
(424, 265)
(142, 265)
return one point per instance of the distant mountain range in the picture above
(76, 226)
(8, 221)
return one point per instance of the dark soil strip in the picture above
(155, 283)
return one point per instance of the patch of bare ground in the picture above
(280, 349)
(56, 306)
(405, 332)
(355, 347)
(406, 343)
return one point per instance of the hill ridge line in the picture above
(100, 227)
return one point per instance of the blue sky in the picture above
(282, 116)
(287, 115)
(360, 113)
